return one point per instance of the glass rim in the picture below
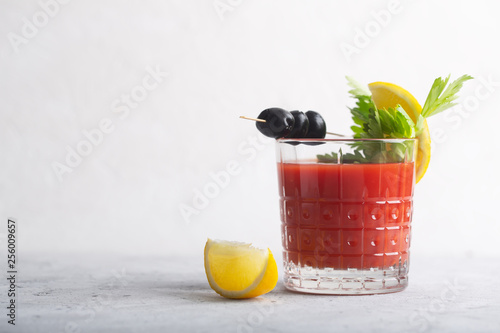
(340, 140)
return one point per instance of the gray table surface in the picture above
(113, 293)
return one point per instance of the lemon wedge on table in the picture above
(388, 95)
(239, 270)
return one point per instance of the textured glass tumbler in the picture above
(346, 210)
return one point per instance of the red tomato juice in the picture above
(346, 216)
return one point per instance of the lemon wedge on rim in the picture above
(388, 95)
(239, 270)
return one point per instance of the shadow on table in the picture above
(201, 292)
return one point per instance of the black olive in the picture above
(300, 126)
(296, 143)
(317, 125)
(279, 123)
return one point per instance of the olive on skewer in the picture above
(279, 123)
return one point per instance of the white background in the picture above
(126, 195)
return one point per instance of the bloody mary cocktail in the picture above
(344, 224)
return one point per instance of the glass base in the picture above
(345, 282)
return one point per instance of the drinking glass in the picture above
(346, 209)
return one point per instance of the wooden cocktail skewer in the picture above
(254, 119)
(263, 121)
(341, 135)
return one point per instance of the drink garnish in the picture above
(277, 123)
(385, 110)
